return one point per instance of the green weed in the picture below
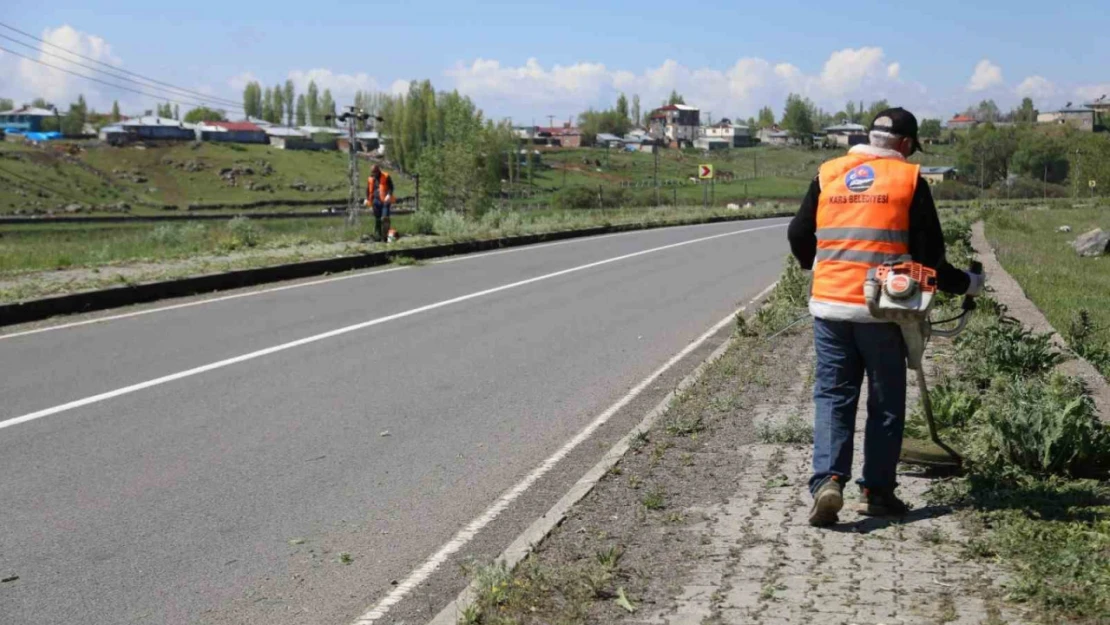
(794, 431)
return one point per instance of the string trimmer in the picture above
(903, 292)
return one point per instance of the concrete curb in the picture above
(541, 527)
(1008, 291)
(89, 301)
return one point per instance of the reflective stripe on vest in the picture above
(863, 220)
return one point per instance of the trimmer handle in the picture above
(976, 267)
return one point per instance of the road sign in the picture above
(705, 172)
(1092, 183)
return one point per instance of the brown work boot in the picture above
(827, 502)
(875, 502)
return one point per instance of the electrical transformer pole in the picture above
(352, 116)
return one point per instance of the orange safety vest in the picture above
(384, 186)
(863, 220)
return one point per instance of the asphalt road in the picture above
(228, 488)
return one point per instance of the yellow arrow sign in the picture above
(705, 172)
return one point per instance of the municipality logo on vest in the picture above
(860, 179)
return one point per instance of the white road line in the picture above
(359, 274)
(465, 535)
(352, 328)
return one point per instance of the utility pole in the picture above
(1078, 168)
(352, 116)
(550, 121)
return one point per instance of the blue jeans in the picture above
(845, 351)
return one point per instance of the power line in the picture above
(115, 86)
(98, 62)
(184, 92)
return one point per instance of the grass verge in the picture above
(1036, 459)
(1073, 292)
(30, 256)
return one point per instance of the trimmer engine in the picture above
(902, 291)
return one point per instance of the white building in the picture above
(733, 135)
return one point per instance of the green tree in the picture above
(851, 112)
(1025, 114)
(985, 111)
(73, 123)
(279, 104)
(327, 107)
(984, 153)
(636, 120)
(312, 102)
(252, 100)
(930, 129)
(675, 98)
(868, 117)
(6, 104)
(268, 105)
(797, 118)
(39, 103)
(289, 100)
(115, 111)
(766, 118)
(302, 112)
(1041, 156)
(204, 114)
(622, 108)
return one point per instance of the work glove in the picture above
(978, 280)
(366, 203)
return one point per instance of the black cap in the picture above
(898, 121)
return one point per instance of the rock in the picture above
(749, 205)
(1064, 229)
(1094, 243)
(226, 171)
(733, 207)
(74, 208)
(299, 185)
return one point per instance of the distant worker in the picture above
(864, 209)
(379, 196)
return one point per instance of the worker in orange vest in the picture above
(863, 209)
(379, 195)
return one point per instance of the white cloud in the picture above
(985, 76)
(1036, 87)
(740, 89)
(24, 79)
(342, 86)
(399, 87)
(1087, 93)
(238, 82)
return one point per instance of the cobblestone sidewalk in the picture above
(762, 564)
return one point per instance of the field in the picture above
(149, 178)
(157, 179)
(1058, 281)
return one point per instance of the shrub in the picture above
(954, 406)
(1025, 188)
(1039, 426)
(1082, 335)
(244, 232)
(452, 224)
(423, 222)
(1004, 348)
(507, 222)
(952, 190)
(786, 302)
(177, 235)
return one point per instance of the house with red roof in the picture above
(962, 122)
(231, 132)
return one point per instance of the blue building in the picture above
(24, 119)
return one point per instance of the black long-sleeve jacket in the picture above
(926, 236)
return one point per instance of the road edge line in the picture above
(541, 527)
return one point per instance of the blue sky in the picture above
(529, 60)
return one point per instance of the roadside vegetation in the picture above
(1036, 456)
(45, 259)
(1073, 292)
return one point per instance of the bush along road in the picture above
(704, 520)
